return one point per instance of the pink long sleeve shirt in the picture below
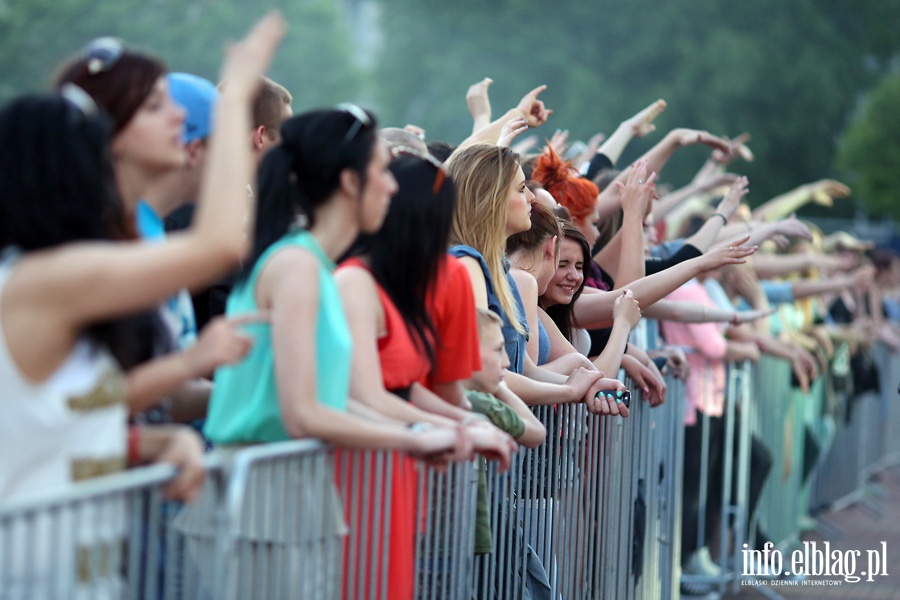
(705, 386)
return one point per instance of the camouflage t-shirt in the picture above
(505, 418)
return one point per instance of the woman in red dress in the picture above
(385, 289)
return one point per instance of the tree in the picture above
(315, 61)
(787, 72)
(870, 149)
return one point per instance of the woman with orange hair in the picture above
(579, 196)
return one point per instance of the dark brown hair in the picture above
(543, 227)
(121, 89)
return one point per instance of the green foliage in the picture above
(870, 149)
(787, 72)
(314, 63)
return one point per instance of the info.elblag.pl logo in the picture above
(813, 561)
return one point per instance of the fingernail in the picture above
(618, 393)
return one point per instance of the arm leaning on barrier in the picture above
(802, 363)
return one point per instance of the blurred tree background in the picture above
(797, 75)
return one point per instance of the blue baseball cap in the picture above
(198, 97)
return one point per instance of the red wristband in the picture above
(134, 443)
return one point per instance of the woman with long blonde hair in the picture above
(493, 203)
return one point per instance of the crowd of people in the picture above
(187, 264)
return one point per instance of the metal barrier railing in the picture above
(446, 507)
(594, 512)
(111, 537)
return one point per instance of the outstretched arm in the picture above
(479, 104)
(534, 111)
(638, 125)
(595, 309)
(822, 192)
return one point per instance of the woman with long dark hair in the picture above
(69, 290)
(72, 277)
(385, 288)
(327, 182)
(147, 149)
(324, 185)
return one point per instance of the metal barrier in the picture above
(105, 538)
(446, 508)
(594, 512)
(591, 513)
(731, 520)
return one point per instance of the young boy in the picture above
(490, 397)
(510, 414)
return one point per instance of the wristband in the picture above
(718, 214)
(134, 446)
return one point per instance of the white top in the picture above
(581, 340)
(70, 427)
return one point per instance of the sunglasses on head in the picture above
(362, 119)
(78, 98)
(439, 177)
(102, 54)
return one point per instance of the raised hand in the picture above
(534, 110)
(733, 254)
(626, 308)
(689, 137)
(638, 190)
(824, 191)
(559, 141)
(415, 130)
(248, 59)
(733, 198)
(793, 227)
(478, 101)
(511, 130)
(737, 148)
(642, 123)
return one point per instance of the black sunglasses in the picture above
(102, 54)
(362, 119)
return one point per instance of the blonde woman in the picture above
(493, 203)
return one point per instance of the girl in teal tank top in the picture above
(244, 405)
(324, 184)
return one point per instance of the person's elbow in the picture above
(533, 436)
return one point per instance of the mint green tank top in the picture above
(244, 403)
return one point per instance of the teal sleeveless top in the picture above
(244, 404)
